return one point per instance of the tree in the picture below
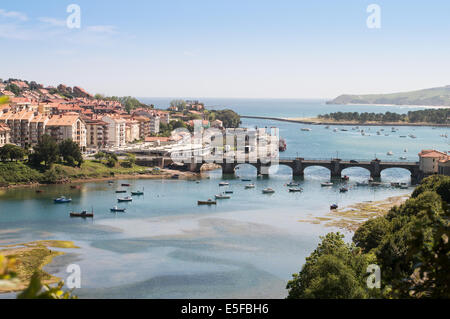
(70, 152)
(13, 88)
(45, 151)
(11, 152)
(229, 118)
(333, 270)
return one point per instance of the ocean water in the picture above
(165, 246)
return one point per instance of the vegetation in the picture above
(21, 269)
(229, 118)
(10, 152)
(410, 244)
(13, 88)
(45, 151)
(128, 102)
(435, 116)
(435, 96)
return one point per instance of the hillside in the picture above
(430, 97)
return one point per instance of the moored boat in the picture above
(292, 184)
(326, 184)
(207, 202)
(344, 190)
(62, 200)
(268, 191)
(250, 186)
(222, 196)
(126, 185)
(334, 206)
(296, 190)
(125, 199)
(138, 193)
(83, 214)
(120, 191)
(116, 209)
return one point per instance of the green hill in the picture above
(430, 97)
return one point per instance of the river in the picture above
(165, 246)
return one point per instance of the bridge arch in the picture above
(246, 169)
(356, 170)
(395, 173)
(281, 169)
(319, 170)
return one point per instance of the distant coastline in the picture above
(317, 121)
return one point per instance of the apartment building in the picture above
(67, 126)
(132, 131)
(5, 134)
(154, 124)
(116, 130)
(96, 133)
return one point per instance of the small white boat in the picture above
(403, 157)
(125, 199)
(268, 191)
(224, 184)
(326, 184)
(390, 153)
(306, 129)
(362, 183)
(222, 196)
(250, 186)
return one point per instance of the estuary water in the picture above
(165, 246)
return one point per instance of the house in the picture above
(154, 124)
(429, 161)
(5, 134)
(217, 124)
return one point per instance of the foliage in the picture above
(70, 152)
(13, 88)
(179, 104)
(229, 118)
(10, 152)
(435, 116)
(334, 270)
(4, 99)
(36, 290)
(45, 151)
(410, 244)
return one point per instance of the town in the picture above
(32, 110)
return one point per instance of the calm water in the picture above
(165, 246)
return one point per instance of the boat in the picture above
(208, 202)
(403, 157)
(62, 200)
(116, 209)
(75, 186)
(403, 136)
(390, 153)
(344, 190)
(126, 185)
(345, 178)
(412, 136)
(306, 129)
(83, 214)
(249, 186)
(268, 191)
(125, 199)
(292, 184)
(138, 193)
(296, 190)
(326, 184)
(374, 184)
(246, 180)
(224, 184)
(120, 191)
(335, 130)
(395, 184)
(404, 186)
(110, 182)
(334, 206)
(229, 192)
(175, 176)
(39, 191)
(222, 196)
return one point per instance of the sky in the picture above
(232, 48)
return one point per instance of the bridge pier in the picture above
(228, 168)
(298, 170)
(336, 170)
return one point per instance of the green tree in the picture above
(70, 152)
(45, 151)
(12, 153)
(334, 270)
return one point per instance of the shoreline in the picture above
(398, 105)
(317, 121)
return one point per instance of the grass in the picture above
(12, 173)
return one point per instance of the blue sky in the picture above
(196, 48)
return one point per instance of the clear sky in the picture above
(232, 48)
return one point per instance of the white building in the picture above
(116, 131)
(154, 124)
